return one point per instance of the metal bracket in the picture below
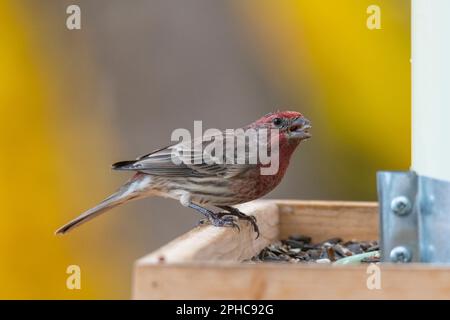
(414, 217)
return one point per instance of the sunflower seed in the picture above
(325, 260)
(343, 251)
(300, 237)
(295, 243)
(355, 248)
(299, 249)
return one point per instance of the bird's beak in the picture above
(299, 129)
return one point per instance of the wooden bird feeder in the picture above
(209, 262)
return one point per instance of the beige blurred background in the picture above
(74, 101)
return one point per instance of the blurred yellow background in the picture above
(74, 101)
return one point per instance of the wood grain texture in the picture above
(204, 263)
(327, 219)
(209, 243)
(283, 281)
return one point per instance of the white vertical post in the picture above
(431, 88)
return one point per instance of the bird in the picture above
(185, 173)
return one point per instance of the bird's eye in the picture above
(277, 122)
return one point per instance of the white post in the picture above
(431, 88)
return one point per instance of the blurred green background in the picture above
(74, 101)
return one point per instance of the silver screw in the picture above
(401, 205)
(400, 254)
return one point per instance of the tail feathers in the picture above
(129, 191)
(124, 165)
(105, 205)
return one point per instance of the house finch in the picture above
(201, 184)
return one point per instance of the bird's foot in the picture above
(241, 216)
(220, 221)
(214, 218)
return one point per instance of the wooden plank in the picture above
(209, 243)
(284, 281)
(327, 219)
(203, 263)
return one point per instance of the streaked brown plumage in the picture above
(201, 184)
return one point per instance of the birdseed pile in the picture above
(299, 249)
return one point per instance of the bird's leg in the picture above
(242, 216)
(213, 218)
